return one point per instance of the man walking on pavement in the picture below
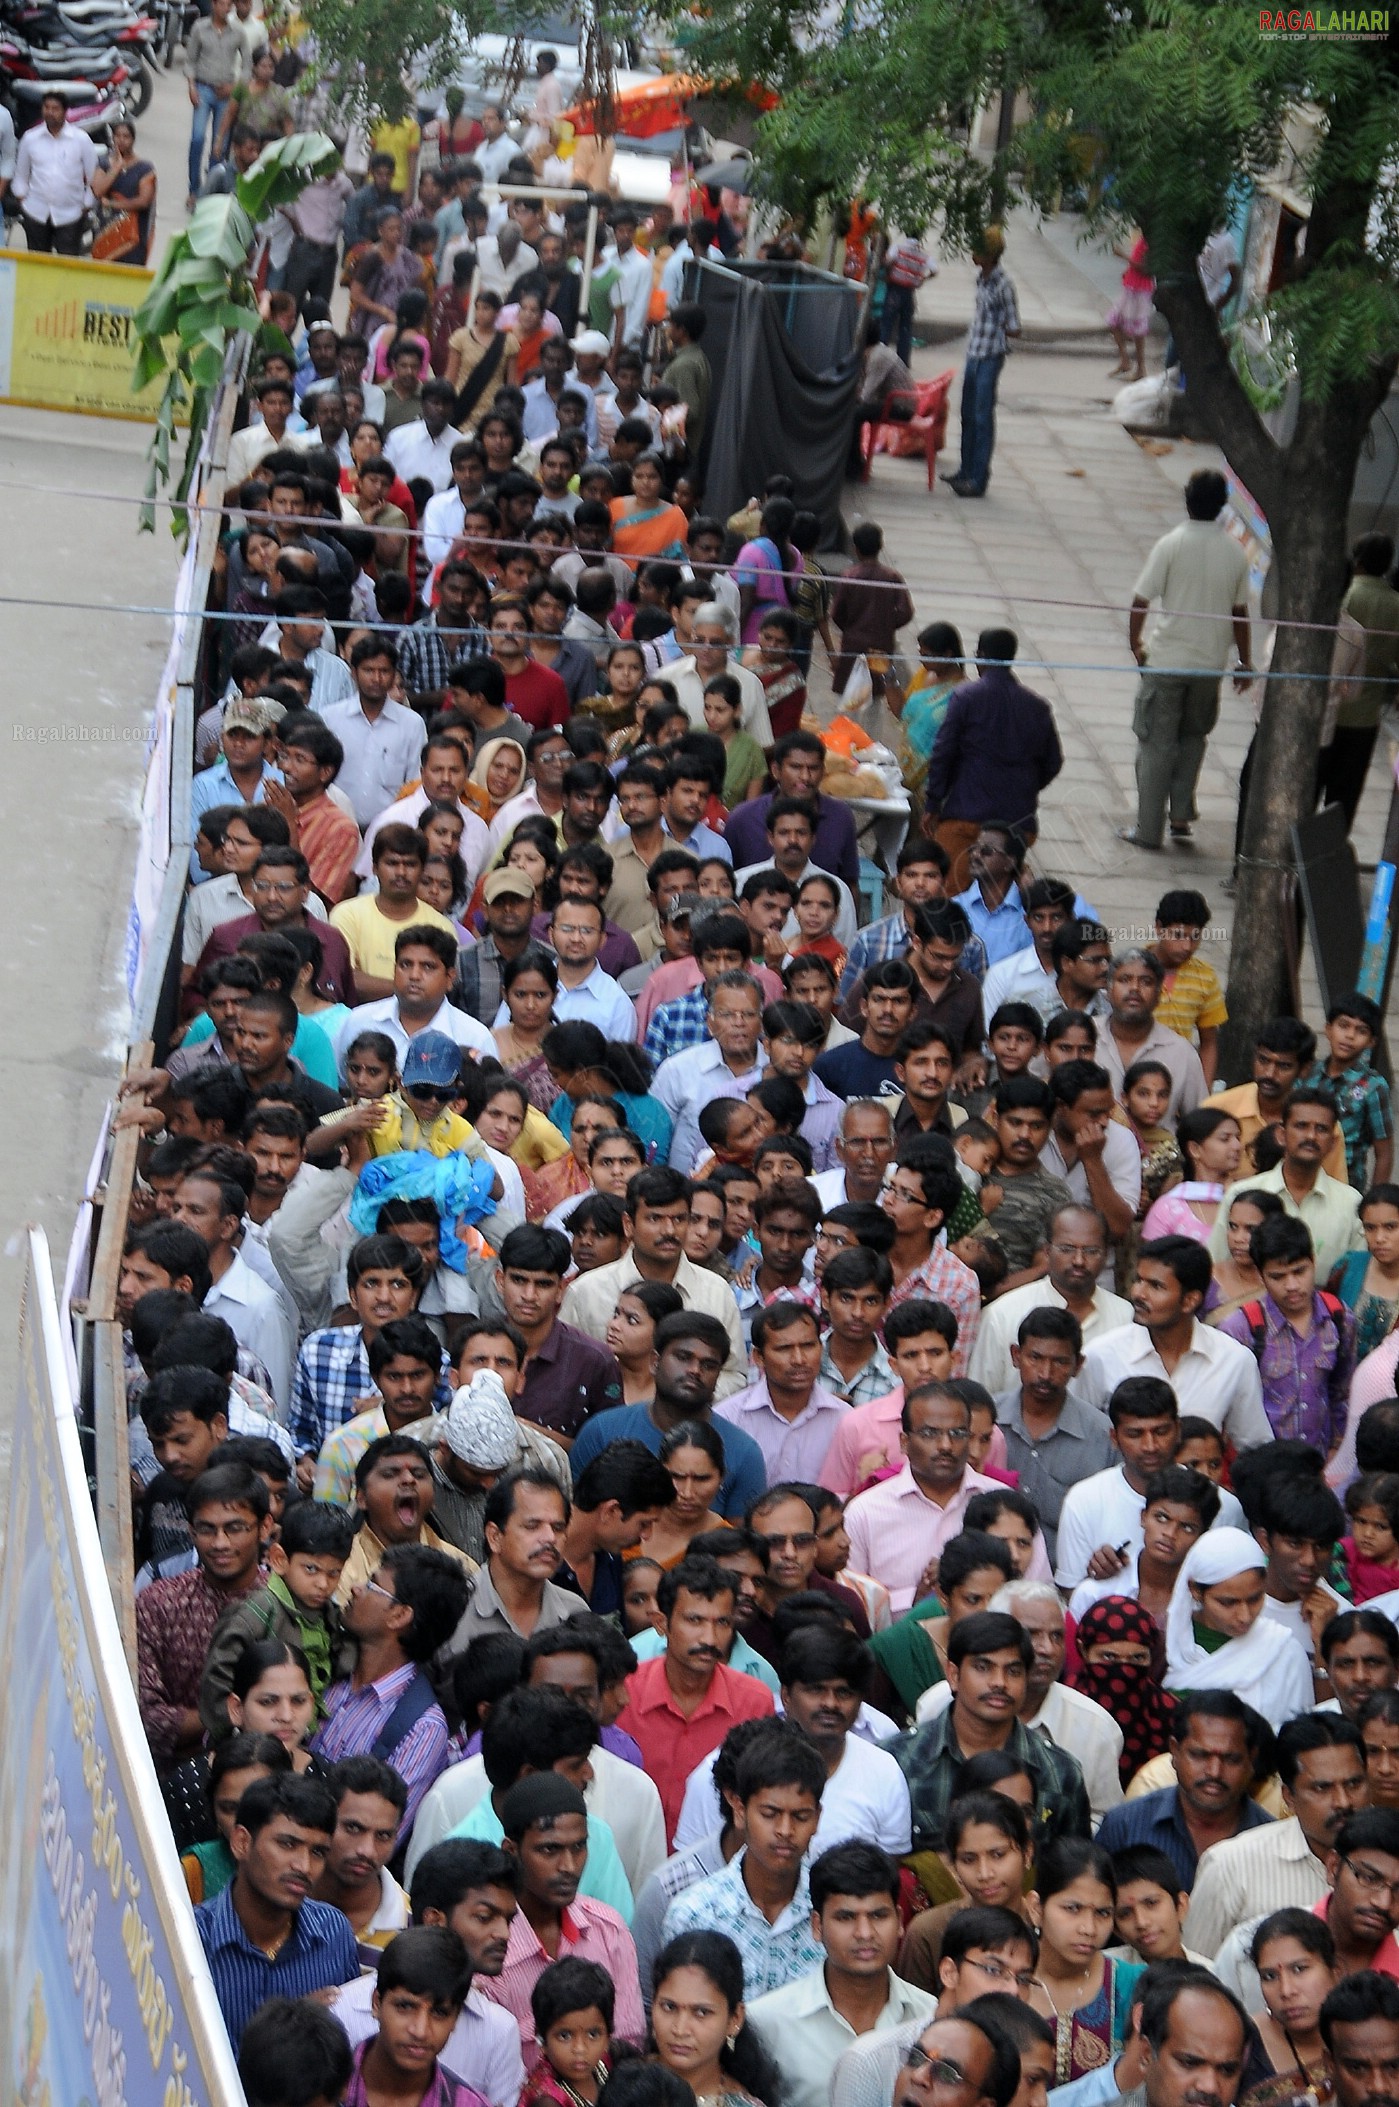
(213, 55)
(995, 320)
(1199, 573)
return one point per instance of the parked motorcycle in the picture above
(92, 85)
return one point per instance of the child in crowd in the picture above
(986, 1258)
(744, 761)
(1201, 1448)
(1362, 1097)
(1146, 1099)
(1371, 1550)
(297, 1604)
(1015, 1036)
(978, 1150)
(731, 1128)
(572, 2003)
(870, 606)
(1306, 1377)
(1151, 1905)
(640, 1612)
(818, 904)
(1192, 1001)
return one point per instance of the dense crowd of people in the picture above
(744, 1493)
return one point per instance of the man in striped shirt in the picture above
(387, 1707)
(995, 320)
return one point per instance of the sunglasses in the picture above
(439, 1093)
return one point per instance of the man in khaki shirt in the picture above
(1282, 1049)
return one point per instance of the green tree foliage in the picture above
(1154, 113)
(203, 297)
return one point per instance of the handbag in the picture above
(118, 233)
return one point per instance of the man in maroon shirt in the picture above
(280, 888)
(175, 1618)
(681, 1705)
(534, 693)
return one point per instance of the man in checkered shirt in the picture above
(995, 319)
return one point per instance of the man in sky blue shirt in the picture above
(241, 773)
(992, 900)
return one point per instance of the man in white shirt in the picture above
(631, 291)
(823, 1675)
(277, 425)
(1065, 1718)
(585, 991)
(213, 1207)
(1130, 1033)
(809, 2023)
(1078, 1250)
(1199, 574)
(1211, 1375)
(418, 1003)
(714, 649)
(683, 1082)
(383, 740)
(1100, 1523)
(494, 153)
(423, 449)
(444, 778)
(53, 175)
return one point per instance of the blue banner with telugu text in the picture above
(105, 2000)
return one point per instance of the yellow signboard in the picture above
(67, 339)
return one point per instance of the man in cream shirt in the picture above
(1078, 1249)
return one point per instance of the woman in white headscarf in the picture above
(1218, 1637)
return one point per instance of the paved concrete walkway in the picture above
(1054, 549)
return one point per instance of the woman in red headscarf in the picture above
(1122, 1658)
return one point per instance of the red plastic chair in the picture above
(924, 432)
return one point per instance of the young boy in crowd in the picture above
(730, 1127)
(1302, 1338)
(1192, 1001)
(297, 1603)
(1201, 1448)
(1151, 1907)
(423, 1980)
(855, 1290)
(1015, 1036)
(1362, 1097)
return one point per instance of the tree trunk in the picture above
(1304, 492)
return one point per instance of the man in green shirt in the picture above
(688, 371)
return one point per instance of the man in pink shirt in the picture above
(545, 1820)
(898, 1526)
(681, 1705)
(919, 1338)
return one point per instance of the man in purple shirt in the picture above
(568, 1377)
(1302, 1340)
(797, 764)
(388, 1708)
(995, 752)
(787, 1412)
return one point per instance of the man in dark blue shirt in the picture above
(262, 1936)
(615, 1500)
(864, 1067)
(1215, 1748)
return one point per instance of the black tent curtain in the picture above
(783, 342)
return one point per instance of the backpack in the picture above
(1253, 1315)
(418, 1699)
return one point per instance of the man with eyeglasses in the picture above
(986, 1952)
(785, 1519)
(278, 891)
(585, 992)
(1076, 1248)
(175, 1617)
(898, 1527)
(1361, 1912)
(956, 2062)
(865, 1146)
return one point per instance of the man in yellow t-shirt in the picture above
(404, 141)
(372, 923)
